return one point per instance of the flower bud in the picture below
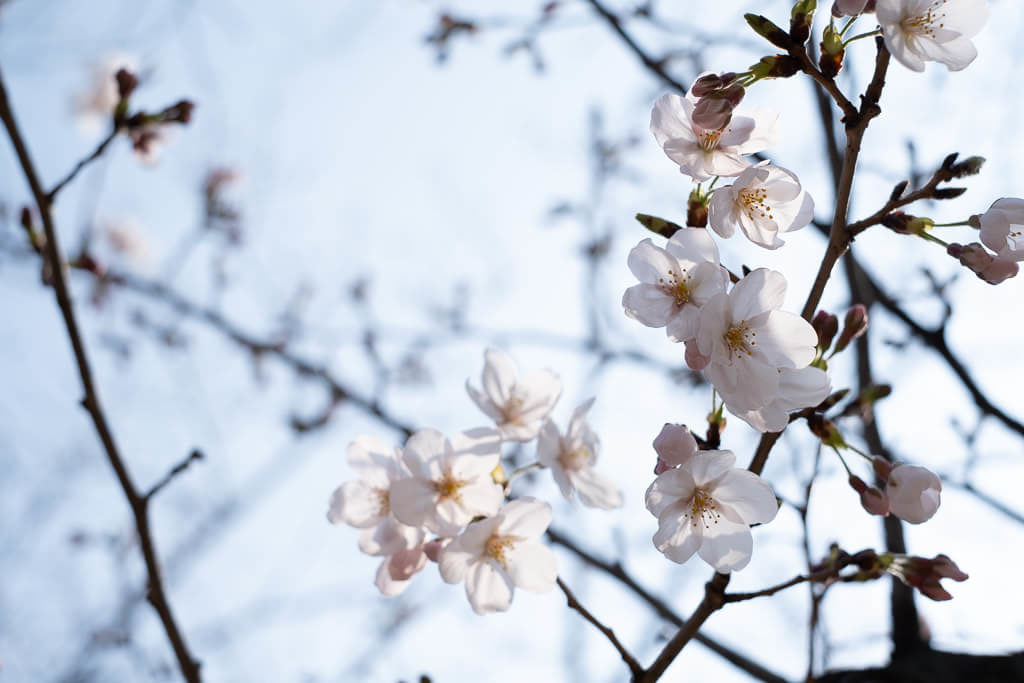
(832, 52)
(882, 467)
(801, 19)
(826, 325)
(914, 493)
(180, 112)
(905, 224)
(658, 226)
(713, 112)
(989, 268)
(697, 208)
(968, 167)
(675, 446)
(924, 574)
(127, 82)
(707, 84)
(769, 31)
(872, 499)
(826, 430)
(778, 66)
(855, 325)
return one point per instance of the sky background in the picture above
(365, 160)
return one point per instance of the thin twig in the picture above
(194, 456)
(634, 666)
(97, 153)
(139, 504)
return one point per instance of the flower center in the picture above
(513, 408)
(498, 547)
(924, 24)
(740, 338)
(703, 509)
(574, 459)
(448, 487)
(708, 139)
(383, 502)
(676, 287)
(754, 203)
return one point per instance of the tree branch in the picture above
(634, 666)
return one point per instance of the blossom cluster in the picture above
(444, 499)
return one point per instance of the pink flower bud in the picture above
(924, 574)
(693, 356)
(882, 467)
(871, 497)
(713, 112)
(709, 83)
(855, 325)
(675, 446)
(914, 493)
(826, 325)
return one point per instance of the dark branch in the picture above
(634, 666)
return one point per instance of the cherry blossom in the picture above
(703, 153)
(913, 493)
(94, 106)
(919, 31)
(572, 457)
(365, 503)
(674, 282)
(706, 506)
(496, 555)
(675, 446)
(450, 481)
(519, 408)
(991, 269)
(764, 201)
(745, 341)
(843, 8)
(1002, 228)
(798, 389)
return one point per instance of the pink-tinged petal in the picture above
(995, 227)
(413, 501)
(677, 537)
(914, 493)
(355, 504)
(499, 376)
(694, 245)
(404, 564)
(748, 495)
(595, 490)
(727, 545)
(683, 325)
(708, 466)
(562, 480)
(525, 517)
(689, 156)
(651, 264)
(675, 444)
(578, 422)
(488, 588)
(670, 119)
(485, 404)
(761, 291)
(649, 305)
(541, 390)
(721, 210)
(889, 11)
(693, 357)
(532, 567)
(667, 489)
(786, 341)
(474, 538)
(481, 497)
(385, 584)
(423, 453)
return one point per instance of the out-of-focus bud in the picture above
(851, 8)
(697, 208)
(658, 226)
(826, 430)
(801, 19)
(855, 324)
(826, 325)
(948, 192)
(968, 167)
(777, 66)
(180, 112)
(989, 268)
(868, 396)
(831, 401)
(872, 499)
(924, 574)
(127, 82)
(769, 31)
(709, 83)
(898, 190)
(882, 467)
(904, 223)
(25, 218)
(832, 52)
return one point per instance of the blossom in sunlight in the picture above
(1002, 228)
(450, 481)
(572, 457)
(518, 407)
(94, 106)
(765, 200)
(675, 446)
(913, 493)
(496, 555)
(703, 153)
(919, 31)
(365, 503)
(706, 506)
(797, 389)
(745, 341)
(674, 282)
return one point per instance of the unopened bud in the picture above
(826, 325)
(989, 268)
(769, 31)
(832, 400)
(180, 112)
(872, 499)
(924, 574)
(127, 82)
(904, 223)
(826, 430)
(658, 226)
(777, 66)
(707, 84)
(968, 167)
(26, 218)
(832, 52)
(948, 192)
(697, 208)
(713, 112)
(855, 324)
(801, 19)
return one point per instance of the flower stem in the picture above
(950, 225)
(847, 26)
(932, 238)
(843, 460)
(860, 36)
